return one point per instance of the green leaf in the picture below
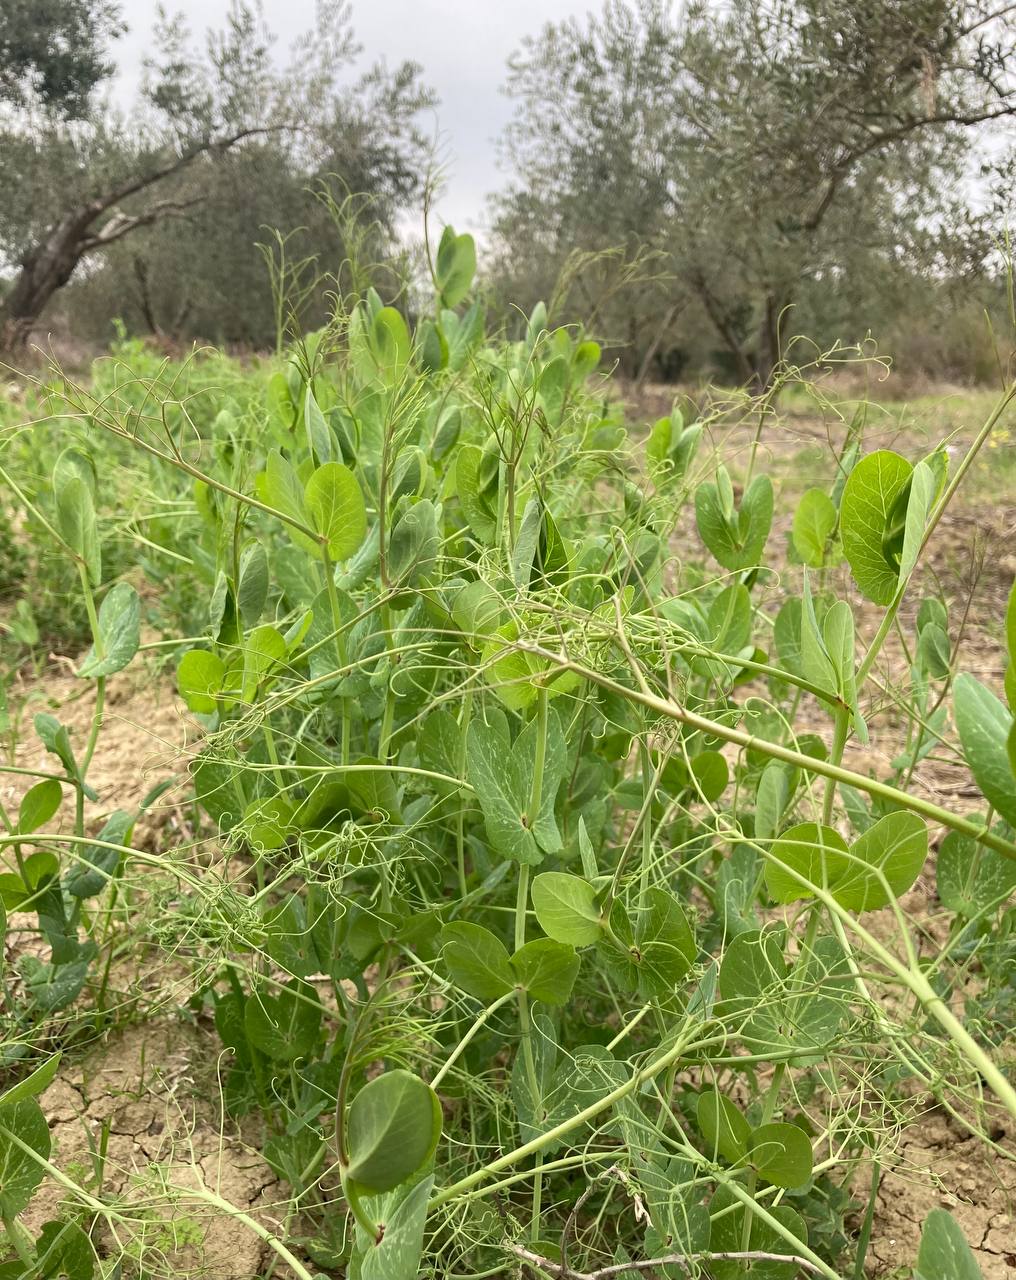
(98, 864)
(284, 1022)
(32, 1085)
(923, 491)
(477, 961)
(20, 1173)
(64, 1252)
(781, 1153)
(814, 523)
(546, 969)
(38, 805)
(984, 725)
(335, 505)
(475, 504)
(501, 773)
(897, 845)
(119, 632)
(392, 1130)
(656, 953)
(727, 1235)
(816, 662)
(566, 909)
(455, 267)
(263, 650)
(279, 487)
(736, 539)
(319, 434)
(725, 1130)
(390, 343)
(75, 518)
(252, 583)
(934, 651)
(944, 1253)
(199, 680)
(869, 495)
(817, 852)
(403, 1214)
(969, 879)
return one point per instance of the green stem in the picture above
(476, 1025)
(840, 730)
(775, 751)
(540, 759)
(557, 1131)
(460, 817)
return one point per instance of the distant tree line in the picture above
(698, 183)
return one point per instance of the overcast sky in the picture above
(463, 46)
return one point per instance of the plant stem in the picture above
(824, 768)
(476, 1026)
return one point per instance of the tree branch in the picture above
(120, 224)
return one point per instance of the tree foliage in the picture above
(225, 141)
(758, 148)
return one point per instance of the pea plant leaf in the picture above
(725, 1131)
(252, 583)
(566, 909)
(75, 514)
(283, 1023)
(392, 1130)
(501, 772)
(335, 505)
(814, 525)
(119, 633)
(38, 805)
(880, 865)
(736, 538)
(781, 1154)
(984, 725)
(403, 1214)
(20, 1172)
(454, 266)
(869, 498)
(546, 969)
(477, 961)
(944, 1253)
(654, 951)
(200, 676)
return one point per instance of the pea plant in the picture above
(571, 943)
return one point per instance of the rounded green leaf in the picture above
(119, 633)
(38, 805)
(781, 1153)
(477, 960)
(455, 266)
(984, 725)
(944, 1253)
(814, 524)
(897, 846)
(869, 500)
(20, 1172)
(566, 908)
(199, 679)
(336, 508)
(546, 970)
(725, 1130)
(816, 852)
(392, 1130)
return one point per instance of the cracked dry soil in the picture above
(153, 1090)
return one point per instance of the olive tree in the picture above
(76, 188)
(757, 146)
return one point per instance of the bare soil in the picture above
(152, 1093)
